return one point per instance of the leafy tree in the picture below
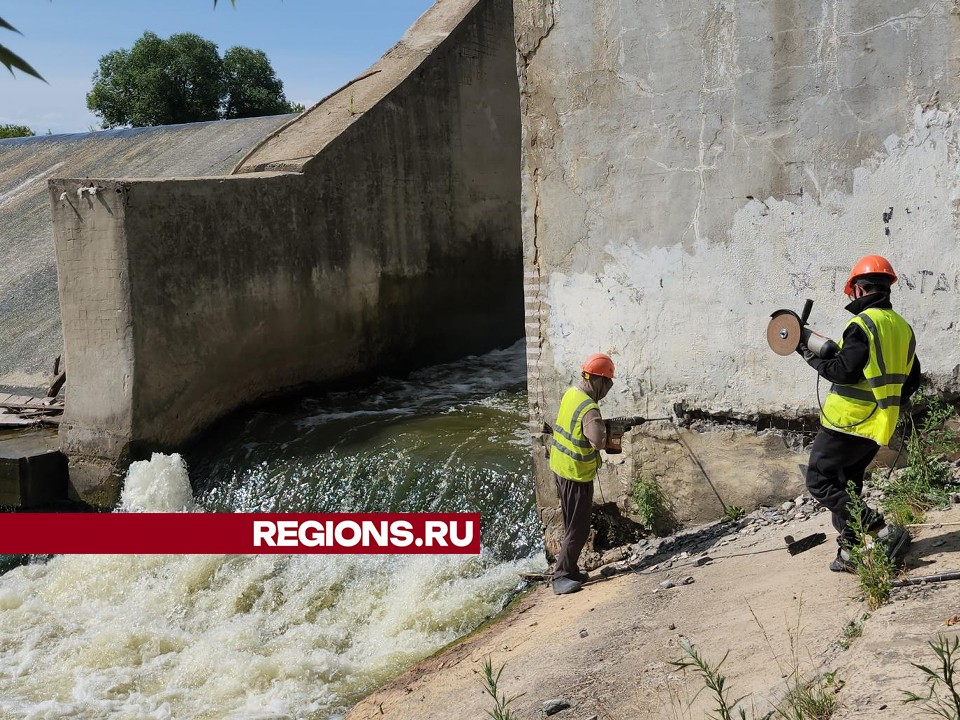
(252, 87)
(15, 131)
(11, 60)
(183, 79)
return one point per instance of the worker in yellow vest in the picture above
(578, 436)
(873, 375)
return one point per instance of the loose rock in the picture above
(552, 707)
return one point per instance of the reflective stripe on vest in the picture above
(871, 407)
(572, 456)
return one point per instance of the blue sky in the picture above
(314, 45)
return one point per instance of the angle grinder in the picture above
(787, 331)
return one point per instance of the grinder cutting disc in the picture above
(783, 332)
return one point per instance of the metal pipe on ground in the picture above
(923, 579)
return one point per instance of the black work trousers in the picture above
(836, 459)
(576, 508)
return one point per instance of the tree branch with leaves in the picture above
(11, 60)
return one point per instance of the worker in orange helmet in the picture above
(579, 434)
(874, 374)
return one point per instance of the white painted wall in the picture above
(650, 125)
(690, 323)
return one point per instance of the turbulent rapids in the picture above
(298, 636)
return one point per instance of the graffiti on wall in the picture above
(923, 280)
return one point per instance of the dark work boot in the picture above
(565, 586)
(895, 542)
(842, 562)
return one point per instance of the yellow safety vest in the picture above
(572, 456)
(871, 407)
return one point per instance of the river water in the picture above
(298, 636)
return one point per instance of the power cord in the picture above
(833, 424)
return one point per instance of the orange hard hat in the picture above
(598, 364)
(869, 265)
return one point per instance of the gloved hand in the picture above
(805, 352)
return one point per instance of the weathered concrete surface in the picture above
(396, 247)
(691, 167)
(29, 310)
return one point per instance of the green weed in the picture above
(490, 682)
(942, 698)
(714, 681)
(733, 512)
(805, 699)
(922, 484)
(874, 567)
(851, 631)
(809, 700)
(650, 501)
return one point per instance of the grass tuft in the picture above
(805, 699)
(733, 512)
(851, 631)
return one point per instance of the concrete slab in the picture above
(29, 308)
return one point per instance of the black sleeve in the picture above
(846, 367)
(913, 380)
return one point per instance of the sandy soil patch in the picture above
(607, 649)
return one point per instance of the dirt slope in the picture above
(606, 650)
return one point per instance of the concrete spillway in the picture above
(29, 307)
(379, 231)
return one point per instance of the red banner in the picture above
(239, 533)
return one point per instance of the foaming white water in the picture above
(160, 484)
(240, 637)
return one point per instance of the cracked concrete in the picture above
(691, 167)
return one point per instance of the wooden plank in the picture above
(15, 421)
(35, 405)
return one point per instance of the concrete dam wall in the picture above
(379, 231)
(688, 168)
(29, 308)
